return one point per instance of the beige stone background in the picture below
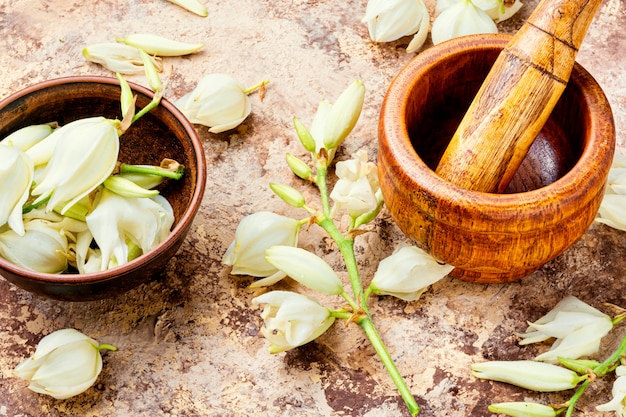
(188, 340)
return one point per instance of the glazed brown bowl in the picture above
(549, 204)
(163, 132)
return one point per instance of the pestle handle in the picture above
(517, 97)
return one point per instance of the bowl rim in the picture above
(176, 233)
(399, 145)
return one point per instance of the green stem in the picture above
(346, 246)
(27, 208)
(154, 103)
(152, 170)
(605, 366)
(368, 327)
(341, 314)
(255, 87)
(321, 172)
(572, 402)
(106, 346)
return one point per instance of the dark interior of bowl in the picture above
(438, 103)
(149, 140)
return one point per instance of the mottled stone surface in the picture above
(189, 341)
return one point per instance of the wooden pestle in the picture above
(517, 97)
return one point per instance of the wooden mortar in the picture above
(517, 97)
(551, 200)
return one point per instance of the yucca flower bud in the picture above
(611, 211)
(389, 20)
(536, 376)
(460, 19)
(26, 137)
(343, 115)
(16, 175)
(159, 45)
(65, 363)
(117, 57)
(256, 233)
(523, 409)
(292, 319)
(305, 137)
(407, 273)
(85, 153)
(218, 102)
(305, 267)
(288, 194)
(298, 166)
(127, 188)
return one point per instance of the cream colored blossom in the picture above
(117, 57)
(389, 20)
(576, 326)
(292, 319)
(65, 363)
(16, 176)
(84, 154)
(218, 102)
(28, 136)
(305, 267)
(193, 6)
(356, 191)
(43, 247)
(407, 273)
(254, 235)
(460, 18)
(116, 220)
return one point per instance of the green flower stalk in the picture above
(292, 319)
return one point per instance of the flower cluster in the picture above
(266, 244)
(218, 101)
(577, 329)
(65, 363)
(391, 20)
(61, 193)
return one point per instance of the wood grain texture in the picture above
(517, 97)
(490, 237)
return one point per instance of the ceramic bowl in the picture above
(164, 132)
(549, 204)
